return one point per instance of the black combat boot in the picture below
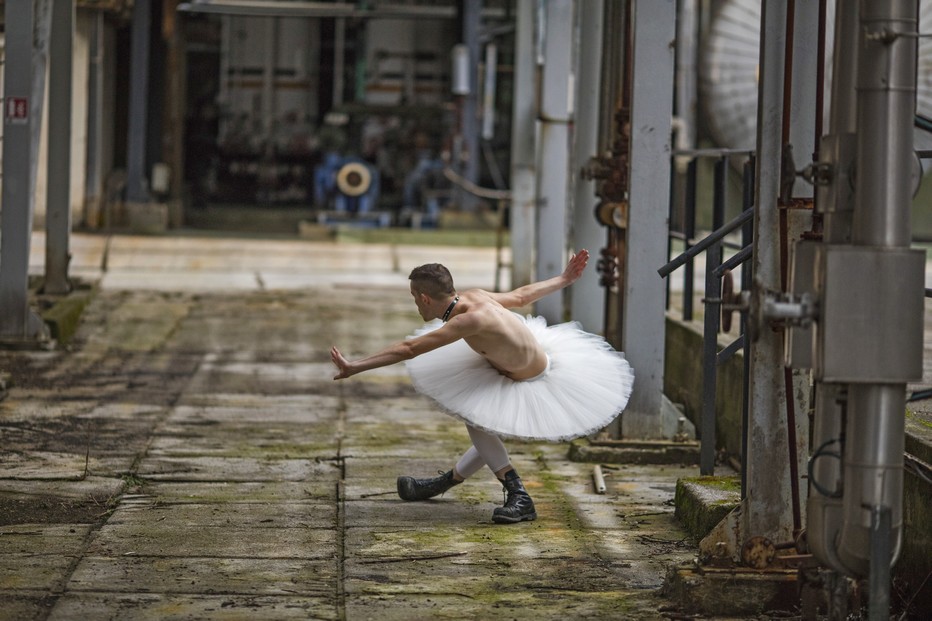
(410, 488)
(518, 504)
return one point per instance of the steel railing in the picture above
(716, 269)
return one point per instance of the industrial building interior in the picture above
(792, 137)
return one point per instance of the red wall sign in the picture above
(16, 110)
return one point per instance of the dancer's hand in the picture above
(575, 267)
(341, 363)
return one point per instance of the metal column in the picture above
(137, 190)
(472, 13)
(654, 28)
(587, 294)
(24, 90)
(339, 60)
(868, 341)
(835, 203)
(93, 174)
(873, 452)
(555, 115)
(58, 208)
(767, 507)
(523, 147)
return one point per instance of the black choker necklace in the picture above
(446, 315)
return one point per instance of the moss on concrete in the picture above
(64, 315)
(730, 484)
(910, 415)
(703, 502)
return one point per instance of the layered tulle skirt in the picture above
(585, 387)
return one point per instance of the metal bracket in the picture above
(793, 309)
(766, 306)
(818, 173)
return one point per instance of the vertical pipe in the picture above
(747, 277)
(720, 194)
(58, 175)
(709, 359)
(472, 10)
(136, 187)
(713, 294)
(555, 116)
(587, 232)
(835, 202)
(879, 583)
(523, 148)
(488, 93)
(339, 60)
(689, 232)
(886, 105)
(95, 121)
(873, 470)
(227, 65)
(270, 44)
(886, 91)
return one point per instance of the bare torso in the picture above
(502, 338)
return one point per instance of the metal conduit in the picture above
(873, 474)
(834, 202)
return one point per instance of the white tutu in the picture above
(585, 387)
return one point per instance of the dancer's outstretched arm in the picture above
(451, 331)
(528, 294)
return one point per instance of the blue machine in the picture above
(348, 185)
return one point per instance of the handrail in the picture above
(711, 152)
(734, 261)
(707, 241)
(712, 247)
(730, 350)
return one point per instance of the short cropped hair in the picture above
(433, 279)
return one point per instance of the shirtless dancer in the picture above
(481, 319)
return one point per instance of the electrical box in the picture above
(870, 326)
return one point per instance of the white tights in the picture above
(487, 450)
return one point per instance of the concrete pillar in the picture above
(587, 296)
(58, 209)
(654, 30)
(26, 22)
(523, 147)
(555, 114)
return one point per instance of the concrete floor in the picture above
(188, 456)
